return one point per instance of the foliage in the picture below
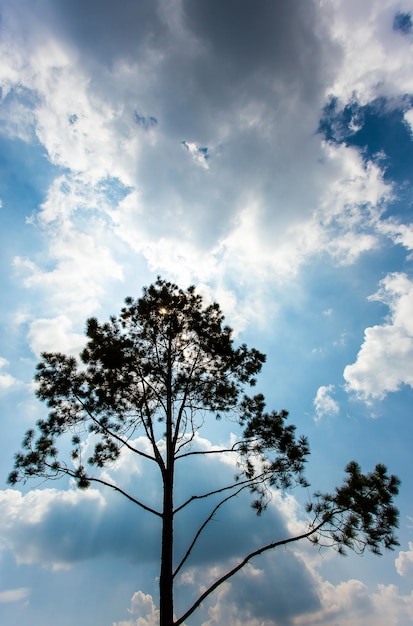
(160, 369)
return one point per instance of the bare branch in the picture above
(109, 432)
(219, 451)
(243, 483)
(242, 564)
(127, 495)
(90, 479)
(204, 524)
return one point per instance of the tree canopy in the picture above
(160, 369)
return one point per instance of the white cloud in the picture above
(58, 528)
(404, 562)
(51, 98)
(143, 607)
(351, 602)
(14, 595)
(373, 53)
(45, 526)
(392, 606)
(408, 116)
(79, 262)
(6, 380)
(244, 602)
(340, 220)
(250, 597)
(348, 601)
(55, 335)
(385, 359)
(324, 404)
(399, 233)
(198, 153)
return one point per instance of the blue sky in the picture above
(263, 152)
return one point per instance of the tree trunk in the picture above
(166, 602)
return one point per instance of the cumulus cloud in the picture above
(385, 359)
(400, 233)
(338, 600)
(55, 335)
(6, 380)
(58, 528)
(47, 526)
(351, 602)
(324, 404)
(143, 607)
(79, 260)
(404, 562)
(243, 602)
(250, 598)
(372, 50)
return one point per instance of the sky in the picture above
(262, 151)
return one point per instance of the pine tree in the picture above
(160, 369)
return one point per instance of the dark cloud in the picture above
(102, 29)
(244, 79)
(78, 529)
(222, 51)
(283, 589)
(75, 526)
(240, 73)
(265, 38)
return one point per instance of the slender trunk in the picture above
(166, 601)
(166, 576)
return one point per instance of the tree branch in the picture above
(124, 442)
(242, 564)
(244, 483)
(220, 451)
(182, 403)
(205, 523)
(72, 474)
(127, 495)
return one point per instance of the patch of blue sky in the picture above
(113, 189)
(315, 335)
(200, 154)
(403, 23)
(26, 176)
(23, 186)
(145, 121)
(116, 580)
